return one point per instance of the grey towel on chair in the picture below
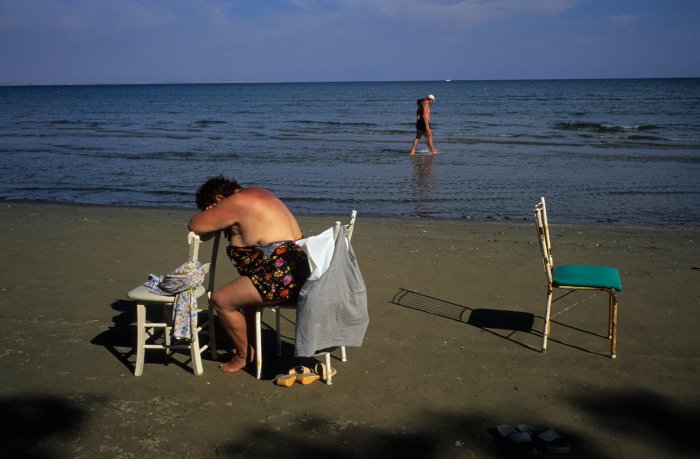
(332, 309)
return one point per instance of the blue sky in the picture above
(132, 41)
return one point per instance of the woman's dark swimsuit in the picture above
(277, 270)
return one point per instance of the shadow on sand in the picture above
(120, 341)
(41, 426)
(657, 424)
(499, 322)
(29, 423)
(489, 320)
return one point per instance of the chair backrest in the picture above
(543, 237)
(212, 261)
(194, 243)
(348, 228)
(351, 225)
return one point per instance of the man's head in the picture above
(213, 187)
(431, 98)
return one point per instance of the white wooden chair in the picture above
(158, 335)
(277, 308)
(575, 277)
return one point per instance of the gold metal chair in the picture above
(575, 277)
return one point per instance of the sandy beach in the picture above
(452, 349)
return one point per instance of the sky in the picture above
(211, 41)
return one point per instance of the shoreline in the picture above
(430, 380)
(496, 221)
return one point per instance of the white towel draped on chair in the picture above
(319, 251)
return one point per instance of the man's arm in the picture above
(222, 215)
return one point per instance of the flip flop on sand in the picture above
(304, 375)
(514, 441)
(321, 370)
(548, 440)
(285, 380)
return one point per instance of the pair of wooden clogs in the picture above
(305, 375)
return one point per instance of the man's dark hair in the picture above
(206, 193)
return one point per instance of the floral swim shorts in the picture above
(277, 270)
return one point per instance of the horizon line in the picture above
(165, 83)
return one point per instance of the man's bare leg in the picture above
(415, 144)
(429, 141)
(235, 302)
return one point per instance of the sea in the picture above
(620, 152)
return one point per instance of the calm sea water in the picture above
(624, 151)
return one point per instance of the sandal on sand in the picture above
(285, 380)
(321, 370)
(548, 440)
(304, 375)
(516, 442)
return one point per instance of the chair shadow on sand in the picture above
(120, 341)
(505, 324)
(489, 320)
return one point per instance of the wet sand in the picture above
(452, 349)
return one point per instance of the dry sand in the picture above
(438, 368)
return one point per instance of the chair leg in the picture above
(140, 338)
(545, 331)
(613, 325)
(329, 381)
(212, 333)
(168, 320)
(196, 355)
(610, 314)
(278, 331)
(258, 342)
(343, 355)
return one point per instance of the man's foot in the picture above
(233, 365)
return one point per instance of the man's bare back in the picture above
(252, 216)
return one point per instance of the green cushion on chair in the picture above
(586, 276)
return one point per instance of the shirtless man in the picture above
(261, 232)
(423, 124)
